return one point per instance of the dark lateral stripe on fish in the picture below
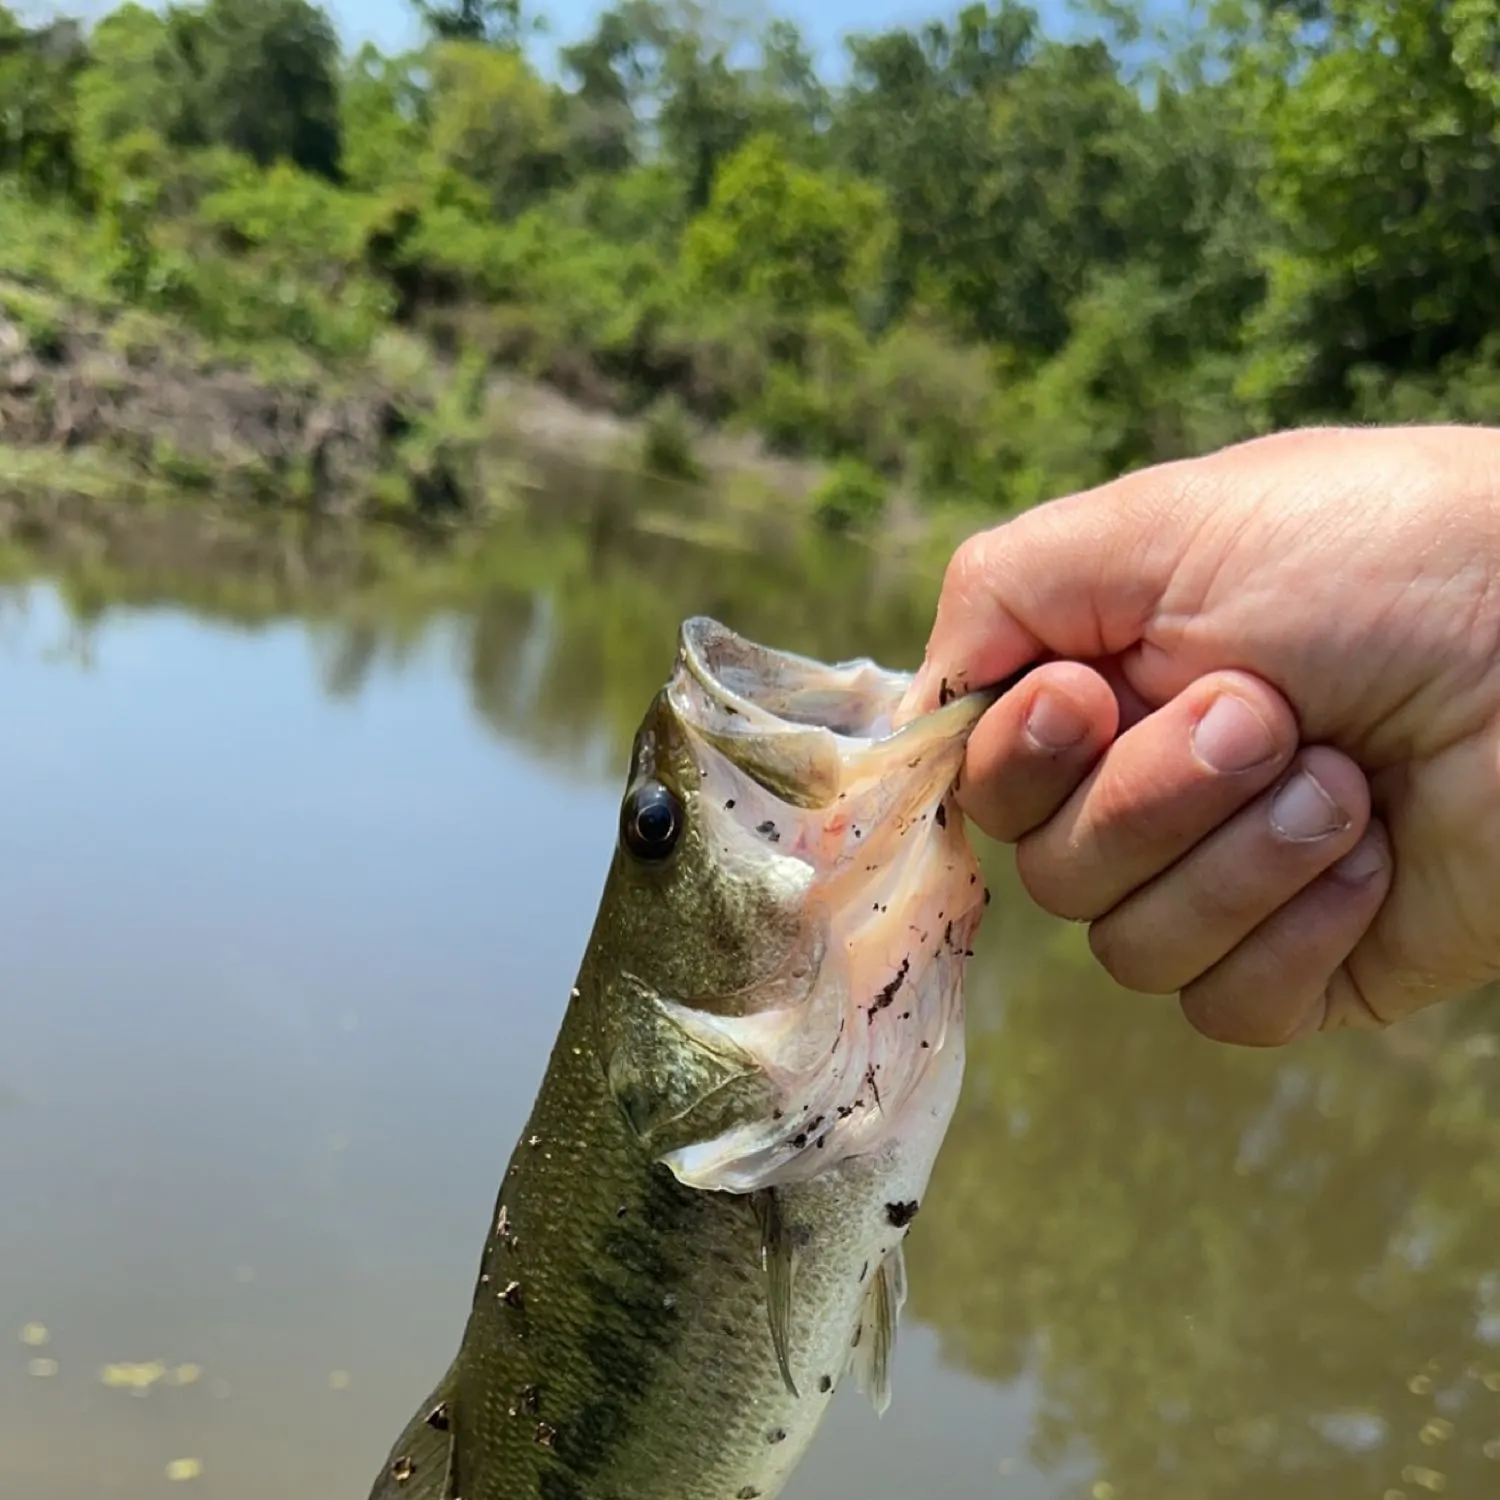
(633, 1323)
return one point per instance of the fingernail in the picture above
(1363, 862)
(1231, 736)
(1054, 723)
(1302, 811)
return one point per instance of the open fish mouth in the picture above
(802, 727)
(771, 688)
(823, 785)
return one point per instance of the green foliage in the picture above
(1384, 173)
(930, 409)
(383, 120)
(299, 217)
(497, 22)
(183, 471)
(39, 318)
(257, 76)
(494, 124)
(265, 74)
(46, 245)
(38, 74)
(850, 495)
(787, 238)
(667, 442)
(138, 85)
(439, 469)
(987, 267)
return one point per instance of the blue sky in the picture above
(391, 24)
(823, 22)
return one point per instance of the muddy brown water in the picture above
(289, 907)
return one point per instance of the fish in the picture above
(699, 1235)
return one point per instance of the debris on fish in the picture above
(700, 1231)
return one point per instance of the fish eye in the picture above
(651, 821)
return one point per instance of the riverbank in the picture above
(603, 563)
(138, 465)
(117, 403)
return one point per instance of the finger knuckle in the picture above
(967, 574)
(1049, 883)
(997, 815)
(1218, 1011)
(1131, 963)
(1123, 815)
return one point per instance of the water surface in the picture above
(290, 912)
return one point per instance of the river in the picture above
(293, 895)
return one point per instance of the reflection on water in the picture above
(290, 913)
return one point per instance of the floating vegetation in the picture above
(135, 1378)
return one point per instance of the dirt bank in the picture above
(143, 405)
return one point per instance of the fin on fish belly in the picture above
(778, 1258)
(420, 1466)
(874, 1344)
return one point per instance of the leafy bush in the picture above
(667, 445)
(39, 317)
(851, 495)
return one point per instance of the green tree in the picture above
(38, 70)
(499, 23)
(384, 119)
(612, 70)
(1384, 177)
(256, 76)
(496, 124)
(786, 237)
(266, 79)
(990, 261)
(706, 114)
(138, 81)
(917, 120)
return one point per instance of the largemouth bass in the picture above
(699, 1234)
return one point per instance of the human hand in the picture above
(1267, 767)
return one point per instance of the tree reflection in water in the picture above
(1230, 1274)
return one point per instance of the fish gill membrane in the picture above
(822, 860)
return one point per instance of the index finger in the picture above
(1078, 578)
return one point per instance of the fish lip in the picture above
(728, 668)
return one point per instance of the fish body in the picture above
(699, 1233)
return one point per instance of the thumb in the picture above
(1077, 578)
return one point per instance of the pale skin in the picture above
(1261, 758)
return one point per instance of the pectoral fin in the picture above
(420, 1466)
(778, 1258)
(874, 1344)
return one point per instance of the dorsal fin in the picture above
(420, 1465)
